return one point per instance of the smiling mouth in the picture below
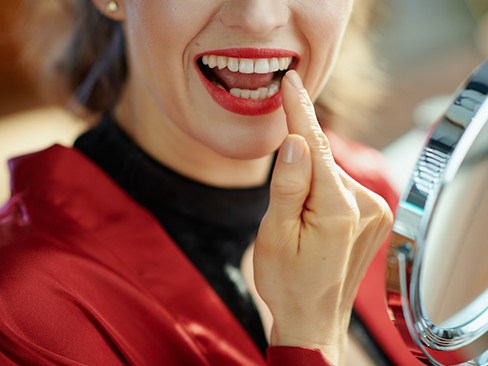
(246, 78)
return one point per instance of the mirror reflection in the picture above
(455, 247)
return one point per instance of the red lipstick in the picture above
(239, 105)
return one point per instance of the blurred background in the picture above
(426, 49)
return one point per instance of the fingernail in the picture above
(292, 151)
(294, 79)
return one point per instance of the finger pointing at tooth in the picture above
(302, 120)
(318, 236)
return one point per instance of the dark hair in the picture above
(95, 62)
(78, 53)
(91, 66)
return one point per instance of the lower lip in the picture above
(247, 107)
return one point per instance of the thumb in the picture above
(290, 183)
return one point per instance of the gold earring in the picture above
(112, 6)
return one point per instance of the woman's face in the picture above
(212, 68)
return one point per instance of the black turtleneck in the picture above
(213, 226)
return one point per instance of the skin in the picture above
(322, 228)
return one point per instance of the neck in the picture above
(145, 123)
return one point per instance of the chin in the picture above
(236, 136)
(249, 148)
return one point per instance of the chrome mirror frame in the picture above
(439, 162)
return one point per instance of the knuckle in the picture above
(344, 216)
(387, 217)
(317, 139)
(379, 212)
(305, 101)
(312, 218)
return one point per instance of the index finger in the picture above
(301, 120)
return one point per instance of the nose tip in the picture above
(256, 16)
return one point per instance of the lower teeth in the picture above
(257, 94)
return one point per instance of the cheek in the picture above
(158, 34)
(325, 21)
(323, 27)
(170, 23)
(150, 25)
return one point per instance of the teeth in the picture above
(245, 93)
(212, 61)
(274, 64)
(233, 64)
(246, 65)
(261, 93)
(221, 62)
(250, 66)
(261, 66)
(254, 94)
(235, 92)
(283, 63)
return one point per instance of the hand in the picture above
(318, 237)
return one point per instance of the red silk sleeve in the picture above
(295, 356)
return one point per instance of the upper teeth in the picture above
(246, 65)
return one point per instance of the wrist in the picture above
(330, 340)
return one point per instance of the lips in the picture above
(245, 81)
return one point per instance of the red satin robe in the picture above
(89, 277)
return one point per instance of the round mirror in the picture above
(437, 272)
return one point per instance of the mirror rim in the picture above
(428, 341)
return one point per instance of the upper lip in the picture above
(252, 53)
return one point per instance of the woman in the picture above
(132, 247)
